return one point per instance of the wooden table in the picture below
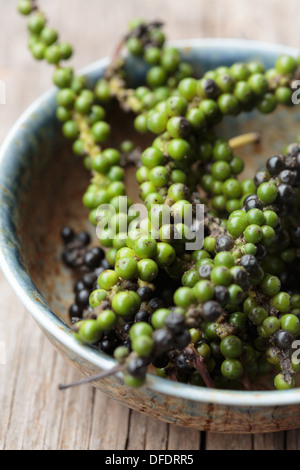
(33, 414)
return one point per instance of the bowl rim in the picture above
(51, 324)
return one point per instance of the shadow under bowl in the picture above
(41, 187)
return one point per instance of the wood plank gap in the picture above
(202, 440)
(128, 429)
(93, 399)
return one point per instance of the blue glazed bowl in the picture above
(41, 185)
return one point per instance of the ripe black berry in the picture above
(253, 202)
(89, 279)
(181, 363)
(137, 368)
(261, 252)
(93, 258)
(163, 341)
(224, 243)
(175, 323)
(276, 164)
(75, 311)
(261, 177)
(82, 298)
(286, 194)
(288, 177)
(250, 263)
(83, 238)
(293, 150)
(79, 286)
(161, 362)
(212, 311)
(142, 315)
(107, 346)
(156, 303)
(210, 87)
(69, 259)
(283, 339)
(221, 294)
(127, 327)
(67, 234)
(183, 340)
(145, 293)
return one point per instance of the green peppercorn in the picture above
(231, 347)
(221, 276)
(25, 7)
(90, 331)
(188, 88)
(232, 369)
(221, 170)
(281, 384)
(107, 320)
(286, 65)
(52, 54)
(267, 192)
(237, 224)
(133, 382)
(270, 285)
(36, 22)
(125, 304)
(101, 131)
(267, 103)
(258, 83)
(159, 317)
(271, 325)
(184, 297)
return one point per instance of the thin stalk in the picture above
(199, 364)
(93, 378)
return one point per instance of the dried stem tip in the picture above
(244, 139)
(93, 378)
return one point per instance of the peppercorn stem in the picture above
(244, 139)
(246, 381)
(171, 373)
(93, 378)
(199, 364)
(116, 54)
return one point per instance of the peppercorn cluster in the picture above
(219, 316)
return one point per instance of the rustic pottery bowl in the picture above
(41, 186)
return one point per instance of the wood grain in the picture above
(33, 414)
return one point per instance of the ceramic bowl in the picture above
(41, 186)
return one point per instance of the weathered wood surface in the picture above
(33, 414)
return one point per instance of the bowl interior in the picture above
(42, 182)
